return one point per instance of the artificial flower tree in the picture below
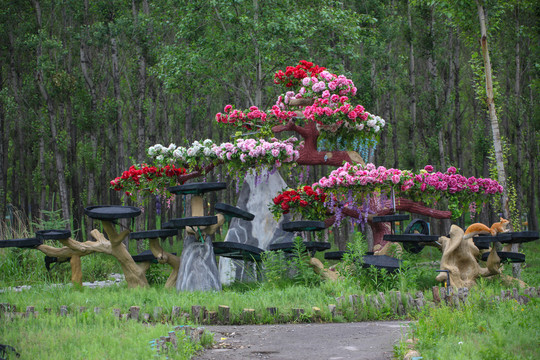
(317, 106)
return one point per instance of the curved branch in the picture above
(164, 257)
(305, 132)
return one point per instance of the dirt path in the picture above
(365, 340)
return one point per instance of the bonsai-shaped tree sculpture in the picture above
(330, 129)
(331, 132)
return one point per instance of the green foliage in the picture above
(479, 329)
(92, 336)
(286, 269)
(412, 274)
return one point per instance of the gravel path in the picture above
(335, 341)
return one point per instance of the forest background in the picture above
(87, 86)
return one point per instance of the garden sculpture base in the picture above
(198, 267)
(260, 233)
(460, 259)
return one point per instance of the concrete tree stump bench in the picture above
(157, 253)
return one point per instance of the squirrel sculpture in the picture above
(478, 228)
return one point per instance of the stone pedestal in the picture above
(261, 232)
(198, 267)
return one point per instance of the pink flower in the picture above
(332, 85)
(228, 108)
(395, 179)
(451, 170)
(325, 94)
(428, 168)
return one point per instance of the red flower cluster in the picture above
(134, 178)
(294, 74)
(305, 200)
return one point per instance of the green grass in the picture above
(88, 336)
(483, 329)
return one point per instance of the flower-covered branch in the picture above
(148, 179)
(425, 186)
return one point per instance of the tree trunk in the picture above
(3, 162)
(51, 112)
(412, 84)
(91, 168)
(120, 158)
(457, 105)
(492, 112)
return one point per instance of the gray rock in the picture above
(198, 268)
(261, 232)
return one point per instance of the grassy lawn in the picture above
(482, 329)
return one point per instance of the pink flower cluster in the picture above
(426, 181)
(336, 112)
(249, 118)
(251, 151)
(324, 86)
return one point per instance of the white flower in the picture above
(207, 142)
(191, 152)
(371, 123)
(159, 158)
(171, 147)
(177, 153)
(377, 128)
(151, 151)
(207, 151)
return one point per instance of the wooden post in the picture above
(332, 309)
(175, 312)
(272, 310)
(297, 312)
(211, 317)
(158, 310)
(419, 301)
(436, 294)
(117, 313)
(223, 314)
(134, 312)
(316, 313)
(174, 340)
(30, 311)
(197, 313)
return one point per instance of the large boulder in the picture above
(256, 194)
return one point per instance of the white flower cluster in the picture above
(195, 150)
(160, 152)
(172, 153)
(375, 122)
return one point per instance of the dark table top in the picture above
(112, 212)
